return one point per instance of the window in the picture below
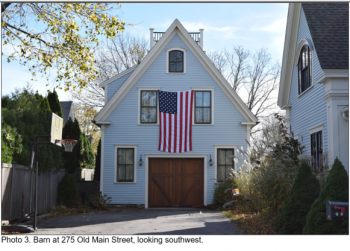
(304, 69)
(225, 163)
(125, 164)
(316, 148)
(202, 107)
(148, 107)
(176, 61)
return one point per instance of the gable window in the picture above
(316, 149)
(225, 163)
(304, 69)
(202, 107)
(176, 61)
(125, 164)
(148, 107)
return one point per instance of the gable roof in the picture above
(175, 28)
(66, 107)
(329, 28)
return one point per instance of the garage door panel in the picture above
(175, 182)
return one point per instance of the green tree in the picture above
(67, 191)
(11, 142)
(87, 156)
(336, 189)
(24, 113)
(59, 36)
(44, 102)
(55, 104)
(305, 191)
(98, 162)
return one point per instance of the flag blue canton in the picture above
(167, 102)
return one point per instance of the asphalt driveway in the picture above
(177, 221)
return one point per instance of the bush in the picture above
(98, 162)
(305, 191)
(336, 189)
(100, 201)
(220, 196)
(67, 191)
(11, 142)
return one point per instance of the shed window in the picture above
(125, 165)
(202, 106)
(176, 61)
(304, 69)
(225, 163)
(316, 149)
(148, 107)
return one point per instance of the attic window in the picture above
(304, 69)
(176, 61)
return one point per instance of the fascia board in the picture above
(137, 73)
(288, 53)
(117, 76)
(201, 56)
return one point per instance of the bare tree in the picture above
(263, 79)
(113, 57)
(255, 72)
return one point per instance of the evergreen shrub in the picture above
(305, 190)
(67, 191)
(336, 189)
(97, 174)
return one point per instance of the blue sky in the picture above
(252, 25)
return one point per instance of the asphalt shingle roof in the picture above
(66, 106)
(329, 27)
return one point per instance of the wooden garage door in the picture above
(175, 182)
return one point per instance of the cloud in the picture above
(278, 25)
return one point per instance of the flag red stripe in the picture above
(164, 134)
(181, 99)
(191, 120)
(175, 132)
(160, 131)
(186, 121)
(169, 134)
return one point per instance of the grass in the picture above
(252, 223)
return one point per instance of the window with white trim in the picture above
(225, 163)
(148, 109)
(125, 164)
(176, 60)
(304, 66)
(203, 107)
(316, 148)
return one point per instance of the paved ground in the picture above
(143, 222)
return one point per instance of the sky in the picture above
(251, 25)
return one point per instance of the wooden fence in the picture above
(17, 191)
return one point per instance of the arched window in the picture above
(304, 69)
(176, 61)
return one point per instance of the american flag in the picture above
(175, 121)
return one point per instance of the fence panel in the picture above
(17, 195)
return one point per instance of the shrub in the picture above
(305, 191)
(100, 201)
(67, 191)
(336, 189)
(98, 162)
(11, 142)
(221, 195)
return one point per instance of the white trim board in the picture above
(175, 28)
(204, 156)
